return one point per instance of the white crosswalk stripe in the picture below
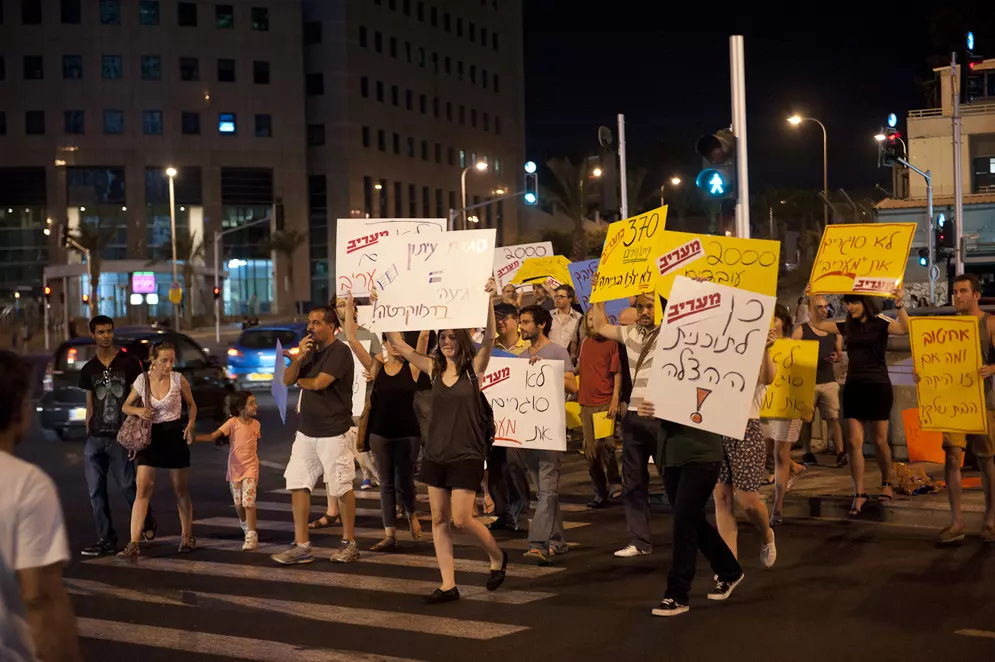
(375, 495)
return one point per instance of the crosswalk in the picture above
(212, 602)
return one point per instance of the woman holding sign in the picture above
(867, 394)
(453, 459)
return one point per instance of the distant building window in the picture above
(483, 36)
(393, 47)
(260, 19)
(264, 126)
(411, 148)
(148, 12)
(378, 42)
(190, 122)
(449, 156)
(314, 84)
(31, 15)
(34, 68)
(438, 153)
(497, 83)
(497, 125)
(421, 11)
(72, 67)
(397, 143)
(364, 87)
(424, 150)
(260, 72)
(473, 117)
(381, 140)
(395, 95)
(423, 104)
(113, 122)
(408, 99)
(487, 122)
(459, 27)
(74, 122)
(494, 41)
(226, 70)
(34, 122)
(362, 36)
(189, 68)
(473, 32)
(110, 12)
(380, 91)
(434, 16)
(151, 67)
(3, 123)
(224, 17)
(71, 11)
(316, 135)
(187, 14)
(366, 136)
(312, 33)
(110, 67)
(446, 25)
(227, 124)
(152, 122)
(3, 69)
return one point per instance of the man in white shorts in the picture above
(323, 369)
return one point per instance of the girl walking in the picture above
(244, 433)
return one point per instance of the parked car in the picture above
(63, 404)
(252, 358)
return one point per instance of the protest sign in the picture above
(946, 356)
(604, 427)
(923, 445)
(509, 259)
(357, 248)
(528, 403)
(536, 270)
(862, 258)
(628, 260)
(582, 274)
(573, 415)
(433, 282)
(707, 357)
(359, 382)
(278, 388)
(792, 393)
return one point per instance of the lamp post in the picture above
(479, 166)
(674, 181)
(171, 173)
(795, 120)
(880, 137)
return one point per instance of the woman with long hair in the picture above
(867, 393)
(166, 392)
(456, 448)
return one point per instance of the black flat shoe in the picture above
(497, 576)
(439, 596)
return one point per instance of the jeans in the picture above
(688, 488)
(103, 455)
(600, 453)
(546, 530)
(507, 483)
(640, 441)
(395, 460)
(368, 467)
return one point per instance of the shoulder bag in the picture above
(136, 432)
(485, 414)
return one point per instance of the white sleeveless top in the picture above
(170, 407)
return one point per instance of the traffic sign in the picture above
(934, 273)
(175, 293)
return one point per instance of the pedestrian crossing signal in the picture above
(717, 178)
(217, 293)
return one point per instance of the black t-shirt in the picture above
(110, 386)
(824, 372)
(866, 344)
(393, 415)
(328, 413)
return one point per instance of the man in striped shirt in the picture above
(640, 436)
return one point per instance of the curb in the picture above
(902, 511)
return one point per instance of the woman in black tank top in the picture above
(454, 453)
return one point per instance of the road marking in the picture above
(390, 620)
(218, 644)
(317, 578)
(285, 507)
(269, 464)
(375, 494)
(985, 634)
(381, 558)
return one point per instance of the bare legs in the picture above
(145, 485)
(782, 473)
(725, 518)
(179, 478)
(458, 508)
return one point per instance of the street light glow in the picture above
(46, 232)
(795, 120)
(879, 137)
(530, 167)
(499, 191)
(530, 198)
(378, 186)
(596, 172)
(675, 181)
(171, 172)
(481, 166)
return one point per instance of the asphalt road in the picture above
(853, 591)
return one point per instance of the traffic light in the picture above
(217, 293)
(86, 298)
(974, 80)
(923, 257)
(718, 176)
(943, 235)
(48, 293)
(531, 184)
(890, 149)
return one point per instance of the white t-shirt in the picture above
(32, 535)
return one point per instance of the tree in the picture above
(94, 237)
(285, 244)
(189, 249)
(566, 193)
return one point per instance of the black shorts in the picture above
(458, 475)
(867, 402)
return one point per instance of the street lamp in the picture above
(676, 181)
(171, 173)
(479, 166)
(880, 137)
(596, 172)
(795, 120)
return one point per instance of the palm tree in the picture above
(189, 249)
(94, 237)
(285, 244)
(566, 193)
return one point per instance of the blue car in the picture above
(252, 358)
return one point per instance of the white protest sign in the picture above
(359, 383)
(278, 388)
(357, 248)
(528, 403)
(509, 259)
(708, 354)
(434, 282)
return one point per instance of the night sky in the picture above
(667, 69)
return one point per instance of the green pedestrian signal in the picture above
(717, 178)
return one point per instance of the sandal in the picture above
(388, 543)
(325, 521)
(855, 510)
(883, 496)
(414, 526)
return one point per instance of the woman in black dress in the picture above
(454, 454)
(168, 392)
(867, 394)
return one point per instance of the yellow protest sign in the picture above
(628, 259)
(946, 355)
(573, 416)
(604, 427)
(748, 264)
(535, 271)
(862, 258)
(792, 394)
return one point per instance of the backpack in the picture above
(485, 414)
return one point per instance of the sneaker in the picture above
(367, 485)
(294, 555)
(768, 552)
(809, 459)
(542, 556)
(597, 503)
(723, 589)
(130, 552)
(101, 548)
(245, 527)
(251, 543)
(671, 607)
(950, 535)
(629, 551)
(348, 552)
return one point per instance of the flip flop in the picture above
(324, 522)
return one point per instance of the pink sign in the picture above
(143, 282)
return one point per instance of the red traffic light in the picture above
(217, 292)
(48, 292)
(86, 298)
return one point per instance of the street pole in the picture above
(825, 173)
(217, 284)
(928, 176)
(737, 68)
(44, 288)
(771, 221)
(462, 186)
(621, 166)
(958, 175)
(172, 228)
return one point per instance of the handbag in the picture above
(136, 432)
(485, 414)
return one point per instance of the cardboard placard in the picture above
(628, 260)
(358, 243)
(862, 258)
(528, 403)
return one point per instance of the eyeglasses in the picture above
(560, 296)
